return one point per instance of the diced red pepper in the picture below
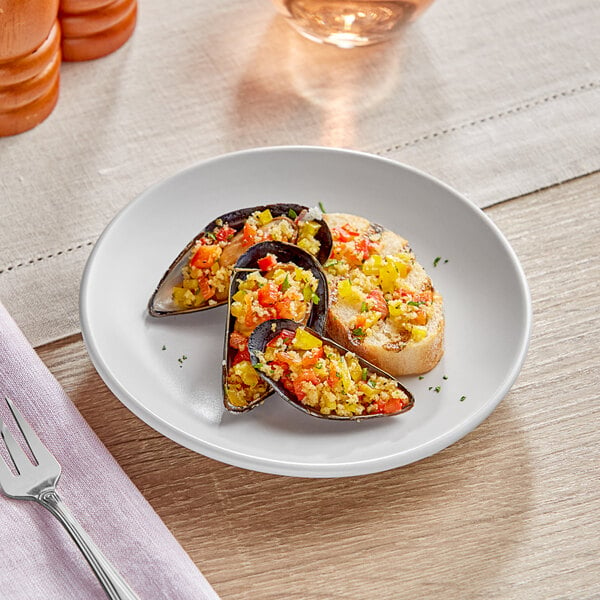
(425, 296)
(249, 234)
(241, 356)
(224, 233)
(378, 302)
(205, 257)
(344, 233)
(286, 382)
(268, 294)
(364, 247)
(284, 335)
(305, 376)
(280, 363)
(267, 262)
(253, 319)
(238, 341)
(284, 308)
(205, 289)
(312, 357)
(391, 406)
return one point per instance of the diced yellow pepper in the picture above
(349, 292)
(310, 244)
(366, 389)
(236, 397)
(247, 373)
(388, 274)
(418, 333)
(265, 217)
(371, 318)
(396, 308)
(344, 288)
(239, 295)
(372, 265)
(300, 274)
(237, 309)
(303, 340)
(178, 295)
(354, 367)
(345, 373)
(309, 229)
(329, 401)
(402, 264)
(183, 297)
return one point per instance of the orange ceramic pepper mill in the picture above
(29, 63)
(94, 28)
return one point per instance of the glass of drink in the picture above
(350, 23)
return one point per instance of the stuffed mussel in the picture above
(199, 278)
(320, 377)
(271, 280)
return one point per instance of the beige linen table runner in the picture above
(495, 98)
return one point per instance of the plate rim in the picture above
(286, 467)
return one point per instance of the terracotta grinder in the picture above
(95, 28)
(29, 63)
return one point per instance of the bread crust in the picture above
(385, 346)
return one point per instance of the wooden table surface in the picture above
(511, 511)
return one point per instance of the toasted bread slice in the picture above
(382, 303)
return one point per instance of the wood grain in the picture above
(509, 512)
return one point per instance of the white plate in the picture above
(487, 304)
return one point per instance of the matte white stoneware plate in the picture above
(487, 303)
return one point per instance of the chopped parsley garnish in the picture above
(309, 295)
(463, 398)
(258, 365)
(164, 347)
(286, 284)
(413, 303)
(372, 383)
(180, 360)
(365, 374)
(421, 376)
(364, 307)
(331, 263)
(436, 260)
(359, 332)
(322, 207)
(445, 377)
(292, 214)
(211, 236)
(437, 389)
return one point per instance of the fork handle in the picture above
(114, 585)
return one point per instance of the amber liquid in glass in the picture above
(350, 23)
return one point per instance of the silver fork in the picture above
(38, 482)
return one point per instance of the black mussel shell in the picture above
(248, 263)
(266, 331)
(161, 302)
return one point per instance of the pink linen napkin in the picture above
(38, 559)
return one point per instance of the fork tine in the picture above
(6, 475)
(38, 450)
(16, 453)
